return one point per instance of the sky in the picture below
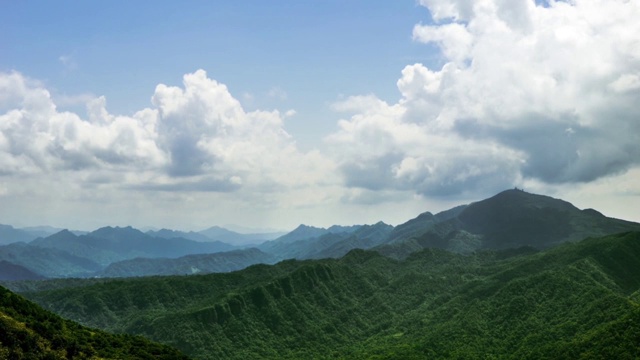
(190, 114)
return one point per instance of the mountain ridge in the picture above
(574, 300)
(509, 219)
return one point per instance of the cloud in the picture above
(194, 138)
(527, 91)
(37, 138)
(626, 83)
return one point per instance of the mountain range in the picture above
(514, 276)
(576, 300)
(510, 219)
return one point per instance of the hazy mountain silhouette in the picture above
(189, 264)
(9, 234)
(238, 239)
(13, 272)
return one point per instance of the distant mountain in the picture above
(65, 254)
(302, 232)
(238, 239)
(365, 237)
(29, 332)
(308, 242)
(48, 262)
(190, 264)
(9, 234)
(41, 231)
(173, 234)
(111, 244)
(254, 230)
(421, 224)
(13, 272)
(510, 219)
(306, 232)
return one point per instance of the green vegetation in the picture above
(29, 332)
(577, 300)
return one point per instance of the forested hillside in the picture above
(29, 332)
(577, 300)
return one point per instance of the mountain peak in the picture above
(117, 232)
(305, 227)
(515, 218)
(64, 233)
(60, 236)
(519, 197)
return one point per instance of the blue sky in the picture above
(199, 113)
(287, 54)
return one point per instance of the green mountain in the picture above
(29, 332)
(510, 219)
(421, 224)
(576, 300)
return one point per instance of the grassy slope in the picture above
(573, 301)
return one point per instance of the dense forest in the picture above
(575, 300)
(29, 332)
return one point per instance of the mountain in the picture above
(50, 263)
(29, 332)
(173, 234)
(302, 232)
(516, 218)
(13, 272)
(232, 237)
(421, 224)
(111, 244)
(365, 237)
(305, 242)
(41, 231)
(510, 219)
(65, 254)
(576, 300)
(9, 234)
(190, 264)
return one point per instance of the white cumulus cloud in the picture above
(516, 76)
(196, 138)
